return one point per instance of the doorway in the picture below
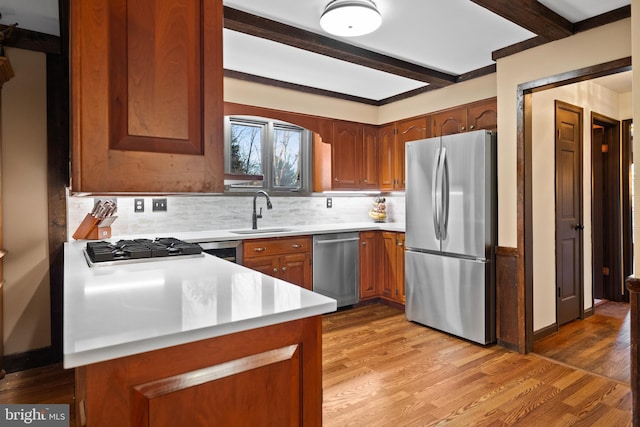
(607, 233)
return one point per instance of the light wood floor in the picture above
(599, 344)
(380, 370)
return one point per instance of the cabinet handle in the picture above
(275, 270)
(296, 246)
(259, 249)
(284, 269)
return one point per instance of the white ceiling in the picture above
(454, 36)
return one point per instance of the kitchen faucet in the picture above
(254, 218)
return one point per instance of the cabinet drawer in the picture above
(276, 246)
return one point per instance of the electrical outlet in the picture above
(329, 202)
(138, 205)
(159, 205)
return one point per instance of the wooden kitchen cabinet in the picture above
(146, 91)
(469, 117)
(392, 140)
(392, 266)
(354, 156)
(369, 264)
(287, 258)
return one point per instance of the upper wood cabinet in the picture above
(477, 115)
(354, 156)
(147, 104)
(392, 139)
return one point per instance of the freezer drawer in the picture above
(451, 294)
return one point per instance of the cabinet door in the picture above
(386, 157)
(484, 115)
(408, 130)
(400, 268)
(346, 155)
(449, 122)
(370, 153)
(296, 268)
(147, 96)
(388, 265)
(266, 264)
(369, 273)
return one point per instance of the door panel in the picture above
(421, 157)
(467, 157)
(450, 294)
(569, 245)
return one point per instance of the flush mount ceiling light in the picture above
(350, 18)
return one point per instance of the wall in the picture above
(199, 213)
(592, 98)
(24, 204)
(600, 45)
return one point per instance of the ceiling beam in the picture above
(257, 26)
(531, 15)
(33, 40)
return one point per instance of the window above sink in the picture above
(266, 154)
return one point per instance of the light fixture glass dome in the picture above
(350, 18)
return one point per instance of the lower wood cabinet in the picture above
(382, 265)
(392, 266)
(287, 258)
(270, 376)
(369, 264)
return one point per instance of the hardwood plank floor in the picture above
(599, 344)
(380, 370)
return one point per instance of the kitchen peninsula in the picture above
(191, 341)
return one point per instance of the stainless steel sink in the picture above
(261, 231)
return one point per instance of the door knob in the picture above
(578, 227)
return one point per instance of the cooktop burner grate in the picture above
(139, 249)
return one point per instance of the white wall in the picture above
(592, 98)
(24, 204)
(597, 46)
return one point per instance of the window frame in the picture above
(267, 146)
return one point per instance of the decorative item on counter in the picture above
(379, 211)
(97, 224)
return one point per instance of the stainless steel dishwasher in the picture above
(335, 266)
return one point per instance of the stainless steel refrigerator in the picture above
(451, 233)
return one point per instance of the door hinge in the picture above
(605, 148)
(558, 292)
(605, 271)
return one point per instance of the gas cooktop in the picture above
(137, 250)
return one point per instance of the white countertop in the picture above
(116, 311)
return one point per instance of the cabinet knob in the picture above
(364, 243)
(463, 128)
(259, 249)
(400, 244)
(275, 270)
(336, 179)
(366, 180)
(296, 246)
(472, 127)
(284, 269)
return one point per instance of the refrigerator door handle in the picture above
(435, 196)
(444, 216)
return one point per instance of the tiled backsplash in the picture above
(196, 213)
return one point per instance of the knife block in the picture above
(90, 229)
